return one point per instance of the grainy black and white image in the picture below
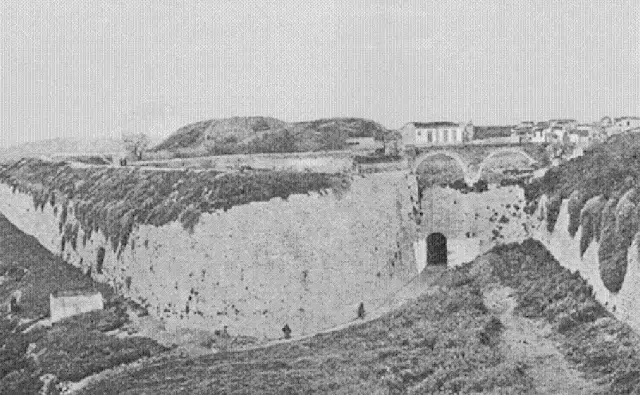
(326, 197)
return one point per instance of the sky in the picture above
(91, 69)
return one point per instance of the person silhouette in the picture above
(361, 312)
(287, 331)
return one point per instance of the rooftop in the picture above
(562, 120)
(440, 124)
(74, 292)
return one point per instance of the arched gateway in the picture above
(436, 249)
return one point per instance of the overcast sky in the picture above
(94, 68)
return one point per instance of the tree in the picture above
(135, 144)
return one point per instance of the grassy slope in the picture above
(263, 135)
(444, 342)
(114, 200)
(447, 342)
(71, 349)
(599, 345)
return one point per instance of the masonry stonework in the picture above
(307, 262)
(566, 249)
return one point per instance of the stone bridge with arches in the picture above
(475, 160)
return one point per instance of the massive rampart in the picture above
(624, 300)
(307, 261)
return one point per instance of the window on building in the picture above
(445, 135)
(419, 133)
(430, 136)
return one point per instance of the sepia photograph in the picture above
(329, 197)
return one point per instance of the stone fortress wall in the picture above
(310, 260)
(483, 216)
(625, 303)
(307, 262)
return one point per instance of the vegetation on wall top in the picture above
(113, 200)
(606, 176)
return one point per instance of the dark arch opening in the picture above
(436, 249)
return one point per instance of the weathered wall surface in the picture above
(66, 306)
(308, 261)
(566, 249)
(472, 222)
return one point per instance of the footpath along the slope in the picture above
(528, 342)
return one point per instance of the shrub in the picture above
(553, 210)
(626, 219)
(590, 222)
(190, 219)
(619, 226)
(574, 207)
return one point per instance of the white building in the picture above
(582, 135)
(557, 134)
(523, 132)
(425, 134)
(538, 134)
(627, 123)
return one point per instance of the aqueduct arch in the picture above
(457, 158)
(506, 151)
(471, 159)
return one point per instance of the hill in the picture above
(240, 135)
(61, 146)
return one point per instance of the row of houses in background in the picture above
(569, 131)
(557, 132)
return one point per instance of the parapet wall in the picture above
(324, 162)
(308, 261)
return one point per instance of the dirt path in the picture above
(528, 341)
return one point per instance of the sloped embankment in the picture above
(446, 341)
(450, 340)
(601, 347)
(74, 348)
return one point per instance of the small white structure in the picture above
(69, 303)
(583, 134)
(364, 143)
(426, 134)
